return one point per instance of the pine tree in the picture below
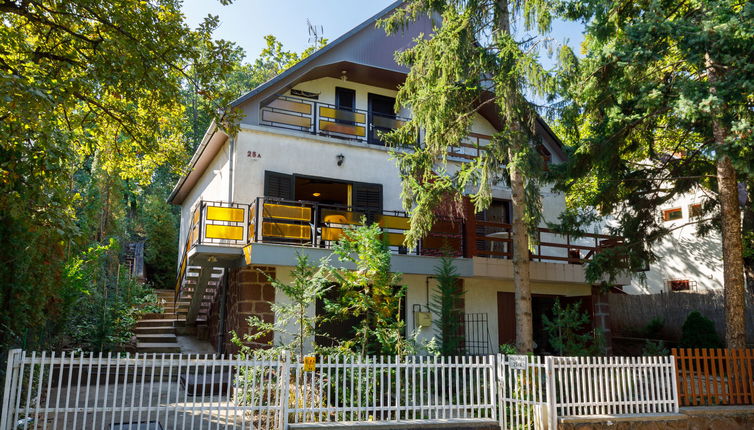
(474, 59)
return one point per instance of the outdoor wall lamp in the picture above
(341, 158)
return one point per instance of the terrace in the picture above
(314, 225)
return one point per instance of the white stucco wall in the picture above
(212, 185)
(683, 255)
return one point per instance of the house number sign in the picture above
(310, 363)
(518, 362)
(254, 155)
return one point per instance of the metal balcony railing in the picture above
(311, 224)
(325, 119)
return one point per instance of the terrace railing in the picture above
(315, 117)
(316, 225)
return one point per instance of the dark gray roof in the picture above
(301, 64)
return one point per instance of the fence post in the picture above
(10, 380)
(676, 387)
(552, 416)
(285, 383)
(499, 385)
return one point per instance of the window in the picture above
(681, 285)
(695, 210)
(345, 99)
(672, 214)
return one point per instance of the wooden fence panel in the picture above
(709, 377)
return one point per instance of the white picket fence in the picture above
(395, 388)
(108, 391)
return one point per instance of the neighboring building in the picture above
(685, 261)
(307, 162)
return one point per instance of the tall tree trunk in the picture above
(733, 262)
(730, 220)
(521, 276)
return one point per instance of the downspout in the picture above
(231, 163)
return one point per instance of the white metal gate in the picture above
(160, 391)
(523, 393)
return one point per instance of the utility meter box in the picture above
(423, 319)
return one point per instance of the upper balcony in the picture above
(324, 119)
(232, 226)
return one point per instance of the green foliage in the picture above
(451, 71)
(371, 293)
(99, 312)
(654, 348)
(568, 330)
(292, 319)
(699, 332)
(508, 349)
(445, 305)
(654, 328)
(640, 108)
(90, 107)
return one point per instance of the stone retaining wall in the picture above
(248, 293)
(697, 418)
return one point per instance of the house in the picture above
(685, 262)
(308, 161)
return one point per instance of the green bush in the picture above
(699, 332)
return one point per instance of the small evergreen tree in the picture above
(445, 305)
(291, 319)
(699, 332)
(568, 329)
(371, 293)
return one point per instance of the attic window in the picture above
(672, 214)
(546, 156)
(695, 210)
(680, 285)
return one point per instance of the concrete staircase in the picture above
(155, 333)
(200, 285)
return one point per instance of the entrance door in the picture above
(381, 116)
(506, 318)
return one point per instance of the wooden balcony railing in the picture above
(309, 224)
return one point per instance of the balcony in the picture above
(314, 225)
(324, 119)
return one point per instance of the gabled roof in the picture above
(214, 139)
(327, 48)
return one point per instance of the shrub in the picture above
(699, 332)
(654, 348)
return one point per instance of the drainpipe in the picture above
(231, 163)
(221, 317)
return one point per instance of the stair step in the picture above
(155, 323)
(158, 347)
(161, 316)
(155, 330)
(156, 338)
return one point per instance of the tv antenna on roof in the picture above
(315, 33)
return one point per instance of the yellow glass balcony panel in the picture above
(291, 105)
(296, 213)
(395, 239)
(331, 233)
(218, 213)
(341, 114)
(287, 231)
(284, 118)
(394, 222)
(334, 127)
(230, 232)
(334, 216)
(195, 217)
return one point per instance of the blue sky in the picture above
(246, 22)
